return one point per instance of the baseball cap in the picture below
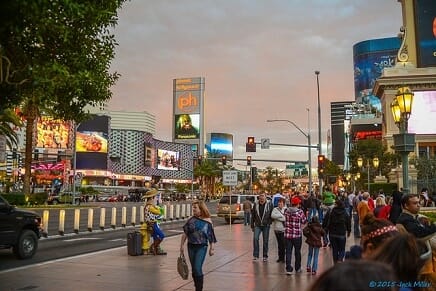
(295, 200)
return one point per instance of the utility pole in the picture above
(319, 129)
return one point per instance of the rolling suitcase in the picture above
(134, 243)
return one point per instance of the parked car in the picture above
(19, 230)
(230, 206)
(64, 197)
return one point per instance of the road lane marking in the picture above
(82, 238)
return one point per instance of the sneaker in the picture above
(265, 259)
(308, 269)
(313, 272)
(288, 273)
(298, 271)
(255, 258)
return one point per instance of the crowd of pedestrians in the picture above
(383, 225)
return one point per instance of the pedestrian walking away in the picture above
(198, 231)
(294, 219)
(313, 233)
(278, 224)
(260, 224)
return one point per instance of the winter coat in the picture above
(256, 219)
(313, 233)
(337, 221)
(278, 218)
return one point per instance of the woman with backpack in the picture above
(338, 225)
(313, 233)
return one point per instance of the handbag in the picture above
(182, 267)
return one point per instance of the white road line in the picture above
(82, 238)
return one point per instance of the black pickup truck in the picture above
(19, 230)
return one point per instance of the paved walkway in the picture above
(231, 268)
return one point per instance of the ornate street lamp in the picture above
(404, 142)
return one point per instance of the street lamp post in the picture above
(319, 129)
(404, 142)
(375, 163)
(307, 135)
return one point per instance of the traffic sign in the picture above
(230, 178)
(264, 143)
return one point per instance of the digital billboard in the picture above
(423, 117)
(187, 126)
(220, 143)
(168, 160)
(370, 57)
(425, 28)
(52, 133)
(91, 141)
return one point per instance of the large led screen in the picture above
(423, 117)
(221, 144)
(52, 133)
(187, 126)
(425, 19)
(91, 141)
(168, 160)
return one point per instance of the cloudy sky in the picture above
(258, 59)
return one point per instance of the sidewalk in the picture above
(231, 268)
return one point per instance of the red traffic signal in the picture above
(321, 164)
(250, 146)
(248, 160)
(224, 160)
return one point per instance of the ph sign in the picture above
(230, 178)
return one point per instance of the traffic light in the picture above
(224, 160)
(250, 146)
(248, 160)
(36, 155)
(199, 160)
(321, 165)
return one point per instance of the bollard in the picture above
(123, 216)
(188, 210)
(61, 228)
(102, 217)
(171, 214)
(90, 218)
(177, 211)
(114, 218)
(183, 213)
(45, 217)
(133, 215)
(141, 214)
(76, 220)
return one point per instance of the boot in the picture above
(156, 249)
(198, 282)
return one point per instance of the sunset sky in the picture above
(258, 59)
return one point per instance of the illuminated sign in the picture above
(52, 133)
(374, 134)
(91, 141)
(188, 102)
(187, 126)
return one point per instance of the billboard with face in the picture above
(188, 110)
(425, 27)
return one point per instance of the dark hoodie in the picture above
(337, 221)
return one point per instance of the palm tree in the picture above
(8, 121)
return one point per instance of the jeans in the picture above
(280, 236)
(338, 247)
(197, 254)
(356, 226)
(312, 212)
(320, 214)
(289, 245)
(247, 218)
(313, 255)
(265, 236)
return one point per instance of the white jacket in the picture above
(278, 218)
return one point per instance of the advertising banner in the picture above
(52, 133)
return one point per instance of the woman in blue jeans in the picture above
(338, 225)
(198, 230)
